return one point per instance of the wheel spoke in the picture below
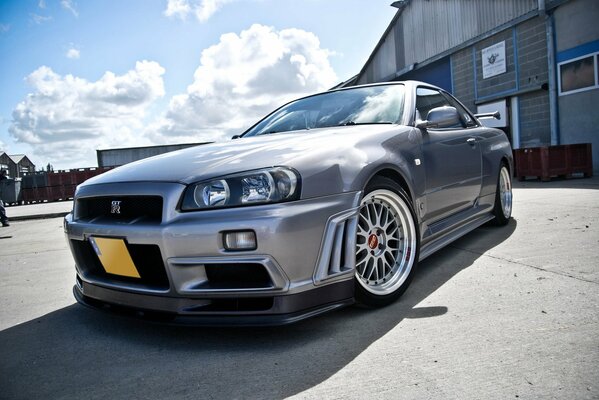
(362, 216)
(392, 247)
(362, 247)
(389, 258)
(384, 217)
(362, 231)
(380, 215)
(380, 266)
(392, 233)
(369, 215)
(361, 264)
(370, 263)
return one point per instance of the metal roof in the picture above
(422, 30)
(17, 158)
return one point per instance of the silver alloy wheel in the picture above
(386, 242)
(505, 192)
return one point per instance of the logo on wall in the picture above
(493, 58)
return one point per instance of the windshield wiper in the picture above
(366, 123)
(274, 131)
(266, 133)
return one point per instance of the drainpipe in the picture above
(551, 72)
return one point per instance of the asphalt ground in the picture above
(502, 313)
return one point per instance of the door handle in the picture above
(471, 141)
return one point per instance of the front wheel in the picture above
(387, 244)
(503, 197)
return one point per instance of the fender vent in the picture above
(338, 252)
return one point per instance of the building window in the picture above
(579, 74)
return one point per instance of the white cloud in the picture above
(4, 28)
(66, 118)
(202, 9)
(69, 6)
(207, 8)
(41, 4)
(177, 8)
(242, 78)
(72, 53)
(40, 19)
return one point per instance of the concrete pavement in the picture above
(502, 313)
(39, 210)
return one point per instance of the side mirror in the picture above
(235, 137)
(440, 117)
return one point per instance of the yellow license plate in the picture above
(114, 256)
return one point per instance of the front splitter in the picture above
(333, 297)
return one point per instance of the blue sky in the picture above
(77, 76)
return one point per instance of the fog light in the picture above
(240, 240)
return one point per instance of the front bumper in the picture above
(286, 309)
(304, 247)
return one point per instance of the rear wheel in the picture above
(387, 244)
(503, 197)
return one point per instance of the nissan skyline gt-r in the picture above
(329, 200)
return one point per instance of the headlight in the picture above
(215, 193)
(271, 185)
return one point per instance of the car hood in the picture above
(302, 150)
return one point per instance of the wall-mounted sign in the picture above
(494, 60)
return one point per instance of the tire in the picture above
(387, 244)
(502, 210)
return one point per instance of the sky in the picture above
(77, 76)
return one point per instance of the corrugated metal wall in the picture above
(118, 157)
(430, 27)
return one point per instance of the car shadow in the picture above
(76, 352)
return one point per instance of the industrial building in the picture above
(535, 61)
(6, 163)
(16, 165)
(122, 156)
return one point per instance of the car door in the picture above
(451, 158)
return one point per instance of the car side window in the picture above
(467, 120)
(427, 99)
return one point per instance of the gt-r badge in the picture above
(115, 207)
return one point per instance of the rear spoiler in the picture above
(495, 115)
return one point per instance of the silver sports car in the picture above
(329, 200)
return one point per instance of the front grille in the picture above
(120, 208)
(147, 260)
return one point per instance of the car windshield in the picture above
(360, 106)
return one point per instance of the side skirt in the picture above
(455, 234)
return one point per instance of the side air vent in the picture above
(338, 252)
